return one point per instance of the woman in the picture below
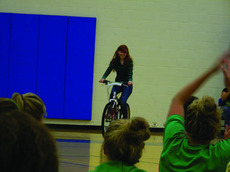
(186, 144)
(123, 144)
(122, 63)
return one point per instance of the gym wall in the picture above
(171, 42)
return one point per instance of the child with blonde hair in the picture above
(123, 144)
(31, 104)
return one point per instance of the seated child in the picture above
(26, 145)
(31, 104)
(123, 144)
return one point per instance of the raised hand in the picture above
(220, 61)
(226, 70)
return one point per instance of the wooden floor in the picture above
(81, 151)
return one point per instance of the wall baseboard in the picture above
(87, 128)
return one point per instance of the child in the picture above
(123, 144)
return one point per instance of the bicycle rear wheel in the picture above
(109, 114)
(128, 111)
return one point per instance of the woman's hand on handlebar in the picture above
(101, 80)
(130, 83)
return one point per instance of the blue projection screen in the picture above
(49, 56)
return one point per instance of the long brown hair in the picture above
(116, 57)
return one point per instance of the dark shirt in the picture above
(123, 74)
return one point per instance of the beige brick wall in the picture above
(171, 42)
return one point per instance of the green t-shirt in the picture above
(179, 155)
(116, 166)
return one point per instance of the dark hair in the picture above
(116, 57)
(203, 121)
(25, 144)
(124, 139)
(7, 105)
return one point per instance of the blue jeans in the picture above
(226, 114)
(126, 92)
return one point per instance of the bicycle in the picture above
(112, 110)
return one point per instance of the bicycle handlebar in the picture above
(109, 83)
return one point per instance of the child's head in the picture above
(26, 144)
(31, 104)
(203, 120)
(188, 102)
(124, 139)
(7, 105)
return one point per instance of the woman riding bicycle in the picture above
(122, 63)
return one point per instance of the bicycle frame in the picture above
(115, 98)
(112, 109)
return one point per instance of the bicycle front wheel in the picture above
(109, 114)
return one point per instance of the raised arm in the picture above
(226, 72)
(179, 99)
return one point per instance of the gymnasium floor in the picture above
(81, 151)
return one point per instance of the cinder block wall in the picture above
(170, 41)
